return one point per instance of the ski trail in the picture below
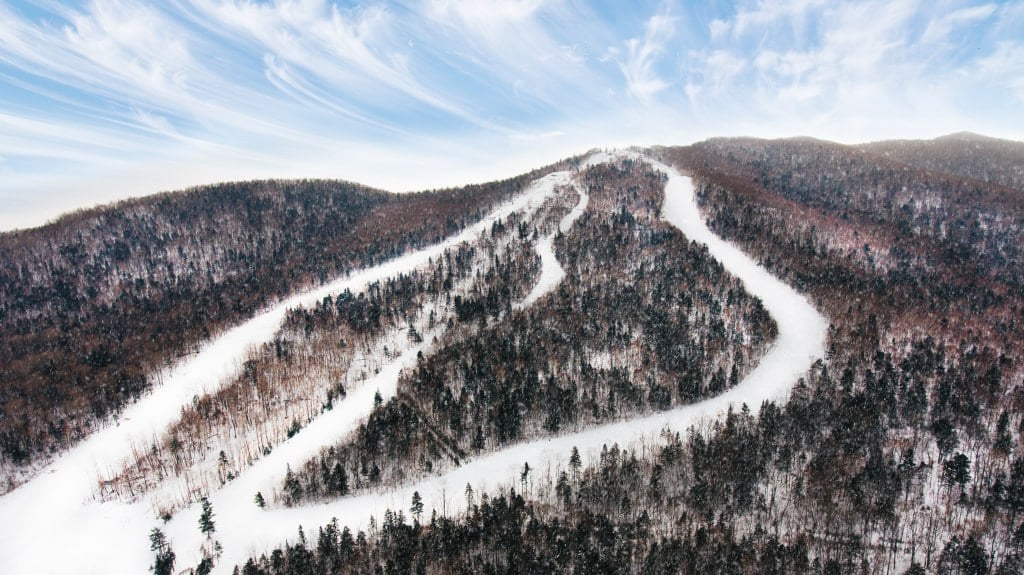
(266, 475)
(801, 341)
(55, 509)
(551, 272)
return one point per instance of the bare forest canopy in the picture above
(96, 302)
(902, 451)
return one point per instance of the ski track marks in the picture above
(54, 511)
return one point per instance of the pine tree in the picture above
(1004, 442)
(417, 506)
(292, 487)
(206, 525)
(338, 480)
(525, 475)
(205, 566)
(957, 470)
(564, 490)
(164, 562)
(260, 502)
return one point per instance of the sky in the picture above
(107, 99)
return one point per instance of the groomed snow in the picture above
(551, 272)
(56, 511)
(52, 512)
(801, 341)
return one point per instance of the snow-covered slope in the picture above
(54, 511)
(551, 272)
(801, 341)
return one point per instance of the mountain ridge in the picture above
(911, 416)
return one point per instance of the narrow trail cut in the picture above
(54, 511)
(801, 341)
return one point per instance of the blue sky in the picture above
(105, 99)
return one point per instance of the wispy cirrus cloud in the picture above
(1004, 66)
(940, 27)
(793, 14)
(107, 98)
(639, 58)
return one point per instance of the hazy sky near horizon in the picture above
(106, 99)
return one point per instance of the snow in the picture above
(801, 341)
(551, 272)
(54, 511)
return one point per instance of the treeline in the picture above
(93, 304)
(508, 534)
(644, 321)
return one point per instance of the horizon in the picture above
(85, 208)
(119, 99)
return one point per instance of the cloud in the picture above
(525, 55)
(190, 91)
(1005, 67)
(352, 51)
(939, 28)
(295, 86)
(768, 13)
(858, 47)
(723, 67)
(718, 29)
(642, 80)
(22, 136)
(485, 13)
(532, 137)
(120, 57)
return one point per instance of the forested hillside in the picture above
(95, 303)
(644, 321)
(964, 154)
(901, 452)
(449, 409)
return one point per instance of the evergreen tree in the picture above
(164, 562)
(575, 462)
(338, 480)
(417, 506)
(205, 566)
(206, 525)
(1004, 442)
(957, 471)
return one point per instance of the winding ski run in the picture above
(52, 524)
